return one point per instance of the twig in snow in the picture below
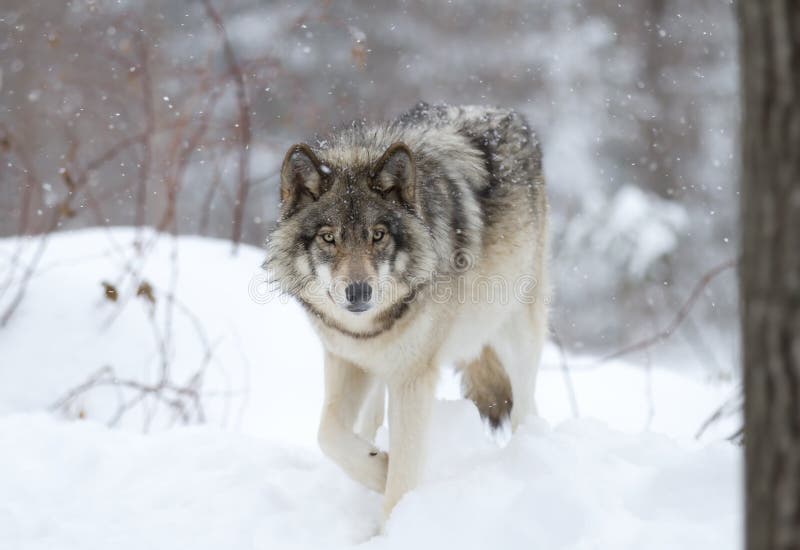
(565, 372)
(729, 407)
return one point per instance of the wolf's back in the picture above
(500, 134)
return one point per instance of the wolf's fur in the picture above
(434, 210)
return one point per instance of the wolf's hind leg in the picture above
(519, 347)
(485, 382)
(346, 388)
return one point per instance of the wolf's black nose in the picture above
(358, 295)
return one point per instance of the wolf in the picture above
(412, 244)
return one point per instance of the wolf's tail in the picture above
(485, 382)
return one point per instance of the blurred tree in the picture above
(770, 270)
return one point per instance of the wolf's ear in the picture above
(302, 177)
(395, 173)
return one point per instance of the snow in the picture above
(581, 485)
(626, 474)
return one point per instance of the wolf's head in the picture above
(350, 242)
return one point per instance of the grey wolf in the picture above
(397, 239)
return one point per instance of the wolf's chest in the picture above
(443, 335)
(385, 353)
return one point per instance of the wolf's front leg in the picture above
(410, 402)
(346, 387)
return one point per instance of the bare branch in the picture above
(683, 312)
(244, 123)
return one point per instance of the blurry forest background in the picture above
(175, 115)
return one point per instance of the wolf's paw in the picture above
(378, 466)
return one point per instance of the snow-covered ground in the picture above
(626, 474)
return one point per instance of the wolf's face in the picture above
(349, 241)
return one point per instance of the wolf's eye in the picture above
(328, 238)
(378, 235)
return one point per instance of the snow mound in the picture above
(579, 486)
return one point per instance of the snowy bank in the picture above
(625, 475)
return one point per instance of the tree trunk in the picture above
(770, 269)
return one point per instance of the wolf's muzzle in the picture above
(358, 295)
